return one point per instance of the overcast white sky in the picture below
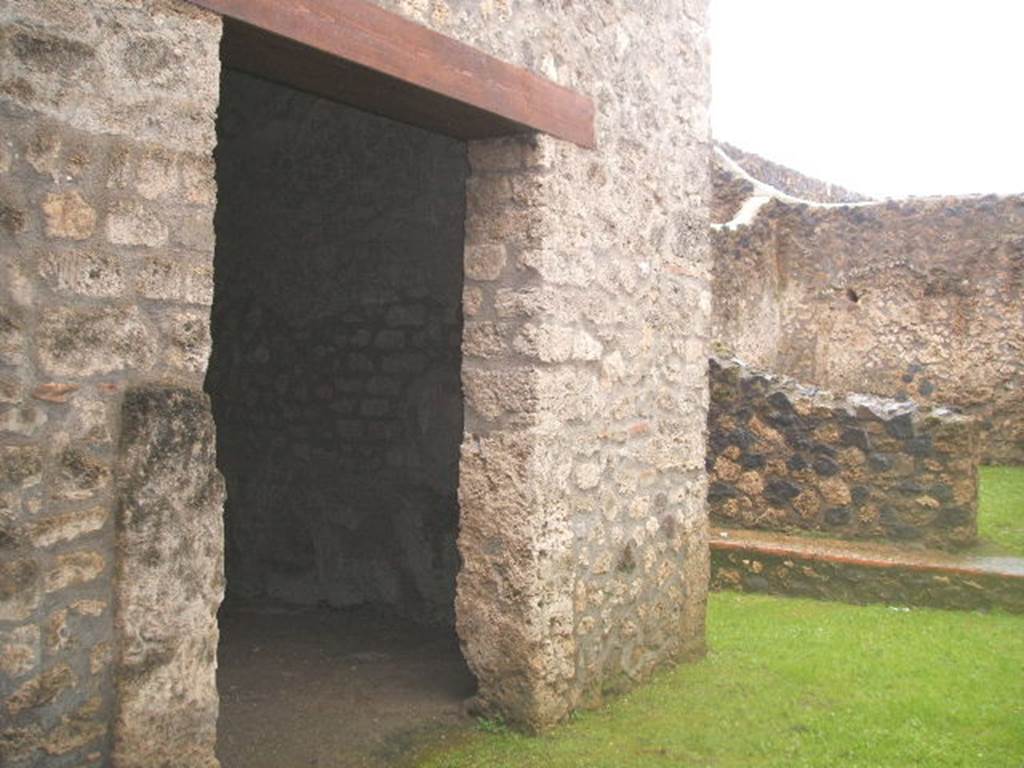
(885, 97)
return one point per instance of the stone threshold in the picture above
(863, 572)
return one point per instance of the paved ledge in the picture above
(860, 572)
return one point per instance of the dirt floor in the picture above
(334, 689)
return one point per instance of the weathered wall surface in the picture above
(106, 245)
(335, 367)
(587, 302)
(787, 457)
(912, 299)
(583, 531)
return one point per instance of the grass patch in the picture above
(1001, 508)
(793, 683)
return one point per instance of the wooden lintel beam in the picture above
(449, 80)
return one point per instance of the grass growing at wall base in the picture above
(793, 683)
(1001, 509)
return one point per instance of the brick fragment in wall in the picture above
(786, 457)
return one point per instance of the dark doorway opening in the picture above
(335, 380)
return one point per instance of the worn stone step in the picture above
(863, 572)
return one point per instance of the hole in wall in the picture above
(852, 295)
(335, 382)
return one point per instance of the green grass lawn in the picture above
(1001, 509)
(791, 682)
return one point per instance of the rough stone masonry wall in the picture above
(787, 457)
(108, 582)
(787, 180)
(582, 485)
(335, 367)
(919, 299)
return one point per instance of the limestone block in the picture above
(74, 568)
(97, 340)
(188, 341)
(20, 651)
(41, 690)
(484, 261)
(83, 272)
(19, 589)
(132, 223)
(68, 216)
(68, 526)
(170, 540)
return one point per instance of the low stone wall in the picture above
(865, 573)
(787, 457)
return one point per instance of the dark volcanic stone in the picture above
(756, 583)
(718, 491)
(744, 439)
(879, 462)
(920, 446)
(952, 517)
(825, 450)
(857, 438)
(910, 487)
(796, 462)
(901, 427)
(860, 494)
(781, 419)
(780, 402)
(838, 516)
(752, 461)
(825, 466)
(779, 491)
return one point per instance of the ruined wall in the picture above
(918, 299)
(335, 367)
(582, 485)
(787, 457)
(787, 180)
(106, 246)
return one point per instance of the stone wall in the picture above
(787, 457)
(918, 299)
(335, 367)
(583, 531)
(106, 247)
(787, 180)
(582, 485)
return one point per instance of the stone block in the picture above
(83, 273)
(484, 262)
(20, 466)
(74, 568)
(188, 341)
(68, 216)
(132, 223)
(95, 340)
(170, 540)
(20, 651)
(19, 589)
(68, 526)
(41, 690)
